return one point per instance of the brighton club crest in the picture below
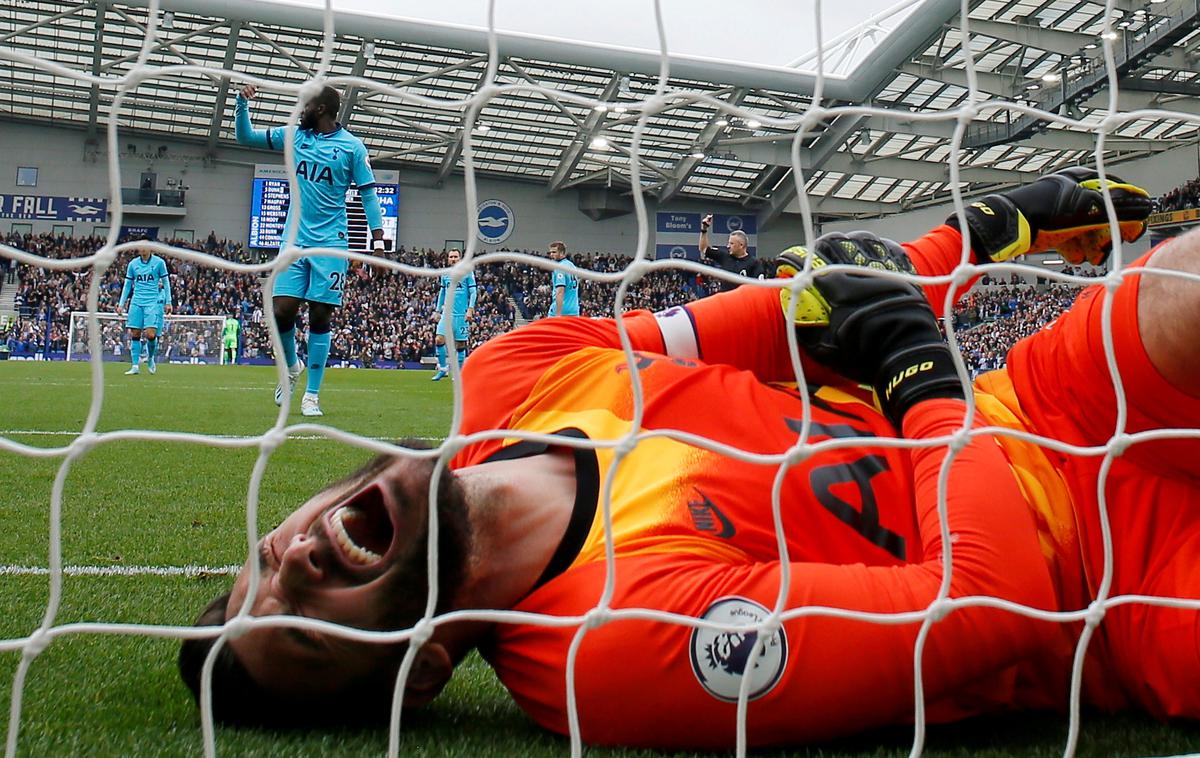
(721, 657)
(494, 221)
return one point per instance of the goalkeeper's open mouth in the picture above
(361, 528)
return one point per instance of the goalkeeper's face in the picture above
(355, 554)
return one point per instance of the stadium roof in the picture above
(734, 144)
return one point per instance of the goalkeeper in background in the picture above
(229, 339)
(523, 525)
(462, 310)
(147, 290)
(329, 160)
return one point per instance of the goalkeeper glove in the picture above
(871, 329)
(858, 249)
(1063, 211)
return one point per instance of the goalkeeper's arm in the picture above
(714, 329)
(1063, 211)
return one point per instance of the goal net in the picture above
(182, 339)
(829, 138)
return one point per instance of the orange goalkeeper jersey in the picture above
(694, 534)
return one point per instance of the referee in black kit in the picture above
(736, 259)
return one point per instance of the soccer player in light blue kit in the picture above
(564, 287)
(148, 291)
(462, 311)
(329, 160)
(160, 326)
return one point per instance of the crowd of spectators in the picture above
(389, 315)
(1184, 196)
(46, 297)
(530, 286)
(989, 321)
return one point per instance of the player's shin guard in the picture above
(318, 353)
(135, 351)
(151, 348)
(462, 356)
(442, 356)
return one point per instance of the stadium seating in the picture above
(1186, 195)
(391, 317)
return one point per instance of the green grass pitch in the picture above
(139, 504)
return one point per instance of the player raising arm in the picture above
(736, 259)
(147, 290)
(520, 526)
(462, 310)
(329, 160)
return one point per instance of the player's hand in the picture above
(249, 91)
(470, 314)
(856, 249)
(379, 245)
(1063, 211)
(167, 309)
(706, 223)
(120, 310)
(878, 331)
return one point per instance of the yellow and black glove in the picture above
(873, 330)
(856, 249)
(1063, 211)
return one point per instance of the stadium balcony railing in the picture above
(171, 202)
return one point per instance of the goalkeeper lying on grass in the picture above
(521, 526)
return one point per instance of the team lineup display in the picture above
(270, 198)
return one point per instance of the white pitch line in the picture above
(75, 433)
(186, 571)
(222, 388)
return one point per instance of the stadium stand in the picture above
(390, 317)
(1186, 195)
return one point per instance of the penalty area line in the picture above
(185, 571)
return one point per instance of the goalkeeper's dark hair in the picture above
(239, 700)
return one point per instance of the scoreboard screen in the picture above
(269, 204)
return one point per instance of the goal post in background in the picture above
(183, 339)
(806, 132)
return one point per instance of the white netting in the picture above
(469, 107)
(190, 339)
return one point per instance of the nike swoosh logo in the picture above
(699, 511)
